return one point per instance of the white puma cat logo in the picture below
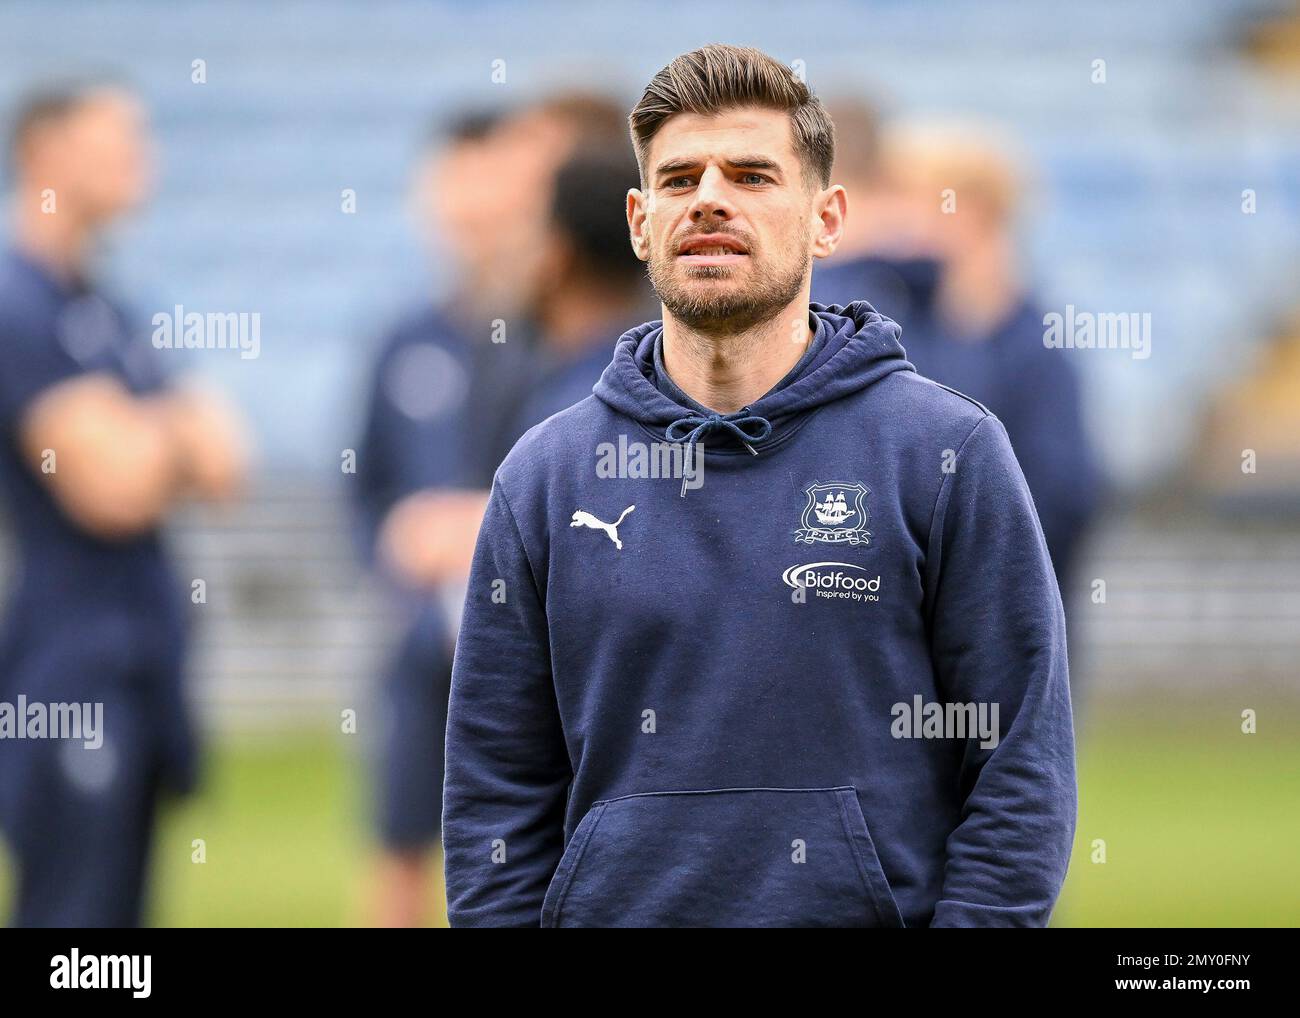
(584, 519)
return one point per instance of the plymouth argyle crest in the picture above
(835, 514)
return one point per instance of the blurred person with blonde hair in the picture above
(98, 447)
(954, 193)
(986, 334)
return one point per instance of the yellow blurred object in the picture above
(1259, 413)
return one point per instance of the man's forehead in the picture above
(109, 105)
(746, 130)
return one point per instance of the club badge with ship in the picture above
(835, 514)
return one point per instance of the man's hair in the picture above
(976, 160)
(53, 102)
(466, 128)
(587, 209)
(715, 78)
(858, 138)
(595, 117)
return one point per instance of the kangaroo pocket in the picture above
(723, 857)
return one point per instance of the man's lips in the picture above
(711, 249)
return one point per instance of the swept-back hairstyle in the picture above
(716, 78)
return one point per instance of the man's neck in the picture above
(979, 291)
(726, 371)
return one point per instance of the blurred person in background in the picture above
(443, 410)
(984, 333)
(440, 400)
(98, 448)
(592, 285)
(945, 201)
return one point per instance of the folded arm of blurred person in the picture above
(122, 460)
(115, 443)
(427, 539)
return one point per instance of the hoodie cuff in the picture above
(950, 914)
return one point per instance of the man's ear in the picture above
(832, 209)
(638, 228)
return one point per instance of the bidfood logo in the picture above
(830, 580)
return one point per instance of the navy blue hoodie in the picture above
(720, 705)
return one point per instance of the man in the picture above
(438, 423)
(704, 707)
(97, 448)
(444, 409)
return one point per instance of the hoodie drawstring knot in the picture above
(744, 426)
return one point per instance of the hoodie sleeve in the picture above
(508, 770)
(998, 635)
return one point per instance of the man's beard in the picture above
(767, 294)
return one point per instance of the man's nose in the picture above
(711, 198)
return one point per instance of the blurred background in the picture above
(316, 165)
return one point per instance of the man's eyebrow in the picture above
(675, 166)
(747, 162)
(754, 163)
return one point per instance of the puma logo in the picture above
(584, 519)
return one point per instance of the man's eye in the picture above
(680, 182)
(753, 178)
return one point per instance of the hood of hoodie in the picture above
(862, 347)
